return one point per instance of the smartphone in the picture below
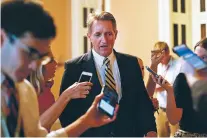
(190, 57)
(152, 72)
(108, 103)
(85, 77)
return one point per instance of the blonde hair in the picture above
(160, 45)
(37, 79)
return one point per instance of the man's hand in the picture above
(151, 134)
(155, 102)
(163, 83)
(156, 57)
(94, 118)
(78, 90)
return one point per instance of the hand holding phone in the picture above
(85, 76)
(108, 103)
(152, 72)
(190, 57)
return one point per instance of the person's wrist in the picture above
(67, 95)
(169, 89)
(153, 66)
(85, 122)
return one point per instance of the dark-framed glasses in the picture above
(32, 53)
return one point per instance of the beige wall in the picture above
(137, 22)
(61, 46)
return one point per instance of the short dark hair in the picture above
(21, 16)
(202, 43)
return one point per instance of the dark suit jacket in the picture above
(135, 117)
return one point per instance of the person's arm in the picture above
(77, 90)
(155, 60)
(92, 118)
(174, 114)
(144, 115)
(159, 89)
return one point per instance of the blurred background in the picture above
(141, 23)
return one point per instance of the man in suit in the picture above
(135, 116)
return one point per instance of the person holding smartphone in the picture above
(184, 96)
(42, 80)
(169, 68)
(156, 57)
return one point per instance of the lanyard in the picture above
(165, 72)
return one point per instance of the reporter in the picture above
(180, 103)
(156, 57)
(42, 80)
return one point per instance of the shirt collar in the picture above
(169, 63)
(99, 59)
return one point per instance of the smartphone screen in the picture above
(151, 71)
(108, 103)
(85, 77)
(190, 57)
(106, 107)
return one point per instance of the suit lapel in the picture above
(122, 69)
(89, 66)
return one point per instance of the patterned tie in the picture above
(110, 82)
(10, 107)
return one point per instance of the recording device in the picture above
(85, 77)
(190, 57)
(152, 72)
(108, 103)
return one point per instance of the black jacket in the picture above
(135, 116)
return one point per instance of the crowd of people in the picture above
(173, 104)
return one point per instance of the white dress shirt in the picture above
(170, 72)
(100, 68)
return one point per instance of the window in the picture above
(91, 10)
(175, 34)
(182, 6)
(175, 5)
(203, 30)
(202, 5)
(84, 17)
(183, 29)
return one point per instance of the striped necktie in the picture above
(11, 109)
(109, 78)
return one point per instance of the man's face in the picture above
(18, 61)
(166, 57)
(102, 37)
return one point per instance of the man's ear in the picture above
(116, 33)
(89, 35)
(3, 36)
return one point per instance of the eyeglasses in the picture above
(32, 53)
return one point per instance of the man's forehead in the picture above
(40, 45)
